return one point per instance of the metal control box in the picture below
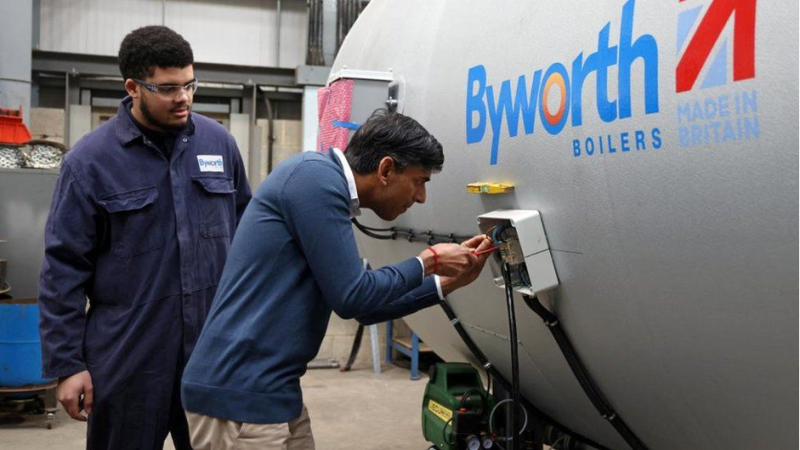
(524, 248)
(370, 92)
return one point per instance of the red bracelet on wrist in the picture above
(435, 259)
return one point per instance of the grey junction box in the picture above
(540, 270)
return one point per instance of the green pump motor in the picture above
(455, 409)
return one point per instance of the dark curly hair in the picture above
(146, 48)
(392, 134)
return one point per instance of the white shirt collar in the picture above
(355, 207)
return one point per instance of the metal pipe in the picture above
(308, 33)
(16, 35)
(66, 109)
(254, 158)
(350, 10)
(320, 32)
(338, 22)
(313, 18)
(278, 36)
(270, 136)
(37, 24)
(311, 31)
(317, 32)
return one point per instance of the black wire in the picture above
(444, 433)
(512, 328)
(468, 394)
(523, 275)
(372, 228)
(430, 237)
(498, 377)
(410, 236)
(481, 357)
(582, 375)
(369, 233)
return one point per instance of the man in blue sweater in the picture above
(292, 262)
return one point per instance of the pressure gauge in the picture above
(473, 443)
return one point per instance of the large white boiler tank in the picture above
(659, 142)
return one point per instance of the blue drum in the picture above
(20, 348)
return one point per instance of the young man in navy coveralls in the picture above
(141, 222)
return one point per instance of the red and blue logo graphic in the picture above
(718, 28)
(707, 33)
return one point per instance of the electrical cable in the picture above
(373, 228)
(582, 375)
(512, 329)
(370, 233)
(491, 416)
(498, 377)
(555, 444)
(430, 237)
(354, 349)
(488, 250)
(444, 432)
(484, 361)
(523, 274)
(468, 394)
(496, 231)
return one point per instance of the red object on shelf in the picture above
(12, 130)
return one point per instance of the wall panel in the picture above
(240, 32)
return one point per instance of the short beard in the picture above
(153, 121)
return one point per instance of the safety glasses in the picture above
(169, 90)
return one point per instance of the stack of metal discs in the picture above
(43, 156)
(11, 157)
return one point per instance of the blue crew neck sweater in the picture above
(293, 261)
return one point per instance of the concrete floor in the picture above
(353, 410)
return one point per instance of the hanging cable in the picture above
(512, 331)
(492, 372)
(586, 382)
(582, 375)
(499, 379)
(496, 407)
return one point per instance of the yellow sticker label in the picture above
(440, 411)
(489, 188)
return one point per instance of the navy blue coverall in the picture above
(144, 236)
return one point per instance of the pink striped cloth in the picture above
(334, 104)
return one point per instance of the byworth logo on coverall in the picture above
(210, 163)
(485, 106)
